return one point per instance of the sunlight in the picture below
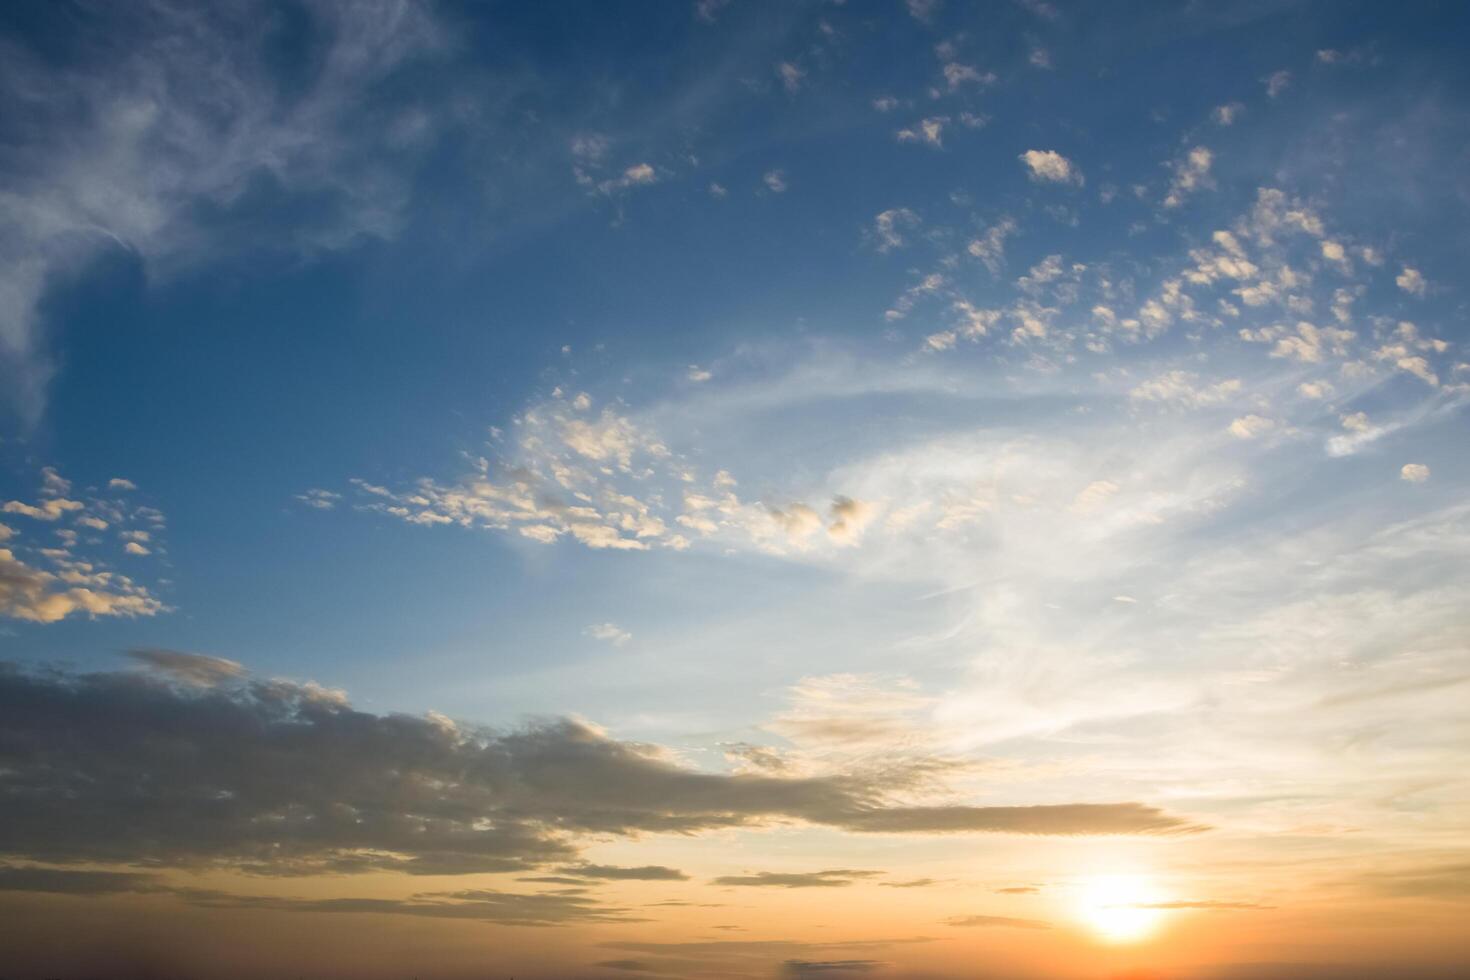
(1115, 907)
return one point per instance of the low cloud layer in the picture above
(279, 777)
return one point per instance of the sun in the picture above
(1118, 907)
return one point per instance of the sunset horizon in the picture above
(723, 490)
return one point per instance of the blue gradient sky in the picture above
(1073, 394)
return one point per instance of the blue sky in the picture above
(1075, 393)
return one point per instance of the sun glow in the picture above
(1118, 907)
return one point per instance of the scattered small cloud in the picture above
(1049, 166)
(608, 633)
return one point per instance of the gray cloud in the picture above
(192, 668)
(277, 777)
(1218, 906)
(812, 968)
(63, 881)
(916, 883)
(835, 878)
(996, 921)
(1444, 881)
(608, 872)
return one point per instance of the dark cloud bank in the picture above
(188, 765)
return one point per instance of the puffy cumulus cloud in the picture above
(319, 499)
(1414, 472)
(835, 878)
(41, 596)
(1049, 166)
(849, 518)
(608, 633)
(1306, 343)
(1250, 426)
(1227, 114)
(41, 582)
(48, 509)
(279, 777)
(775, 181)
(791, 76)
(889, 227)
(957, 75)
(929, 131)
(1411, 281)
(989, 248)
(1186, 389)
(1189, 174)
(171, 113)
(1408, 351)
(191, 668)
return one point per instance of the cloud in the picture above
(1225, 115)
(1204, 905)
(915, 883)
(39, 596)
(1186, 389)
(957, 75)
(1447, 880)
(319, 499)
(63, 881)
(995, 921)
(1250, 426)
(836, 878)
(929, 131)
(1189, 174)
(608, 633)
(922, 10)
(824, 968)
(1050, 166)
(888, 227)
(791, 76)
(1411, 281)
(989, 248)
(775, 181)
(848, 519)
(282, 777)
(1277, 82)
(1018, 890)
(172, 114)
(1414, 472)
(608, 872)
(191, 668)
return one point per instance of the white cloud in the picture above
(608, 633)
(791, 76)
(1227, 114)
(929, 131)
(1190, 173)
(1185, 388)
(1412, 281)
(1277, 82)
(775, 180)
(1250, 426)
(989, 248)
(1050, 166)
(956, 75)
(888, 227)
(1414, 472)
(183, 114)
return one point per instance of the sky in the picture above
(731, 490)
